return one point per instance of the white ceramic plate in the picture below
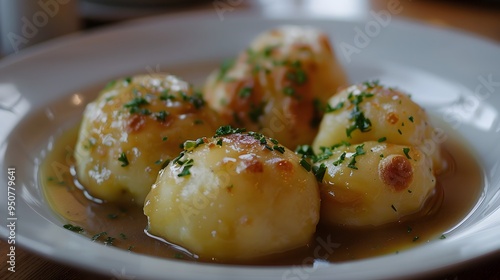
(43, 91)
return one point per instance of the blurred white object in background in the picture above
(26, 22)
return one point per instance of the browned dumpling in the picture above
(234, 196)
(373, 112)
(371, 148)
(278, 84)
(373, 183)
(133, 128)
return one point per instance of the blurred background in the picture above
(24, 23)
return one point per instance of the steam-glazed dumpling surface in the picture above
(234, 196)
(133, 128)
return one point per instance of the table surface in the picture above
(482, 20)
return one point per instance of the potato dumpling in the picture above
(278, 84)
(372, 112)
(234, 196)
(133, 127)
(373, 183)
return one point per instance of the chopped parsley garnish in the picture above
(340, 160)
(289, 91)
(400, 132)
(409, 229)
(371, 84)
(280, 149)
(256, 111)
(394, 208)
(305, 164)
(135, 104)
(305, 151)
(359, 120)
(165, 95)
(190, 145)
(224, 68)
(98, 235)
(415, 238)
(330, 109)
(164, 138)
(219, 142)
(123, 236)
(185, 168)
(410, 118)
(245, 92)
(325, 154)
(109, 85)
(406, 152)
(161, 116)
(227, 129)
(359, 151)
(165, 163)
(73, 228)
(124, 160)
(319, 172)
(382, 139)
(109, 240)
(442, 236)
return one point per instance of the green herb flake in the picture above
(409, 229)
(330, 109)
(400, 132)
(135, 104)
(165, 95)
(280, 149)
(73, 228)
(227, 129)
(98, 235)
(245, 92)
(340, 160)
(165, 163)
(319, 172)
(185, 168)
(164, 138)
(442, 236)
(123, 159)
(256, 111)
(415, 238)
(109, 240)
(406, 152)
(130, 248)
(289, 91)
(161, 116)
(305, 164)
(382, 139)
(224, 68)
(305, 151)
(219, 142)
(394, 208)
(410, 118)
(123, 236)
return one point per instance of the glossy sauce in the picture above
(458, 190)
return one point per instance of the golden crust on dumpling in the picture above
(373, 183)
(133, 128)
(234, 196)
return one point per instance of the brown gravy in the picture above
(123, 227)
